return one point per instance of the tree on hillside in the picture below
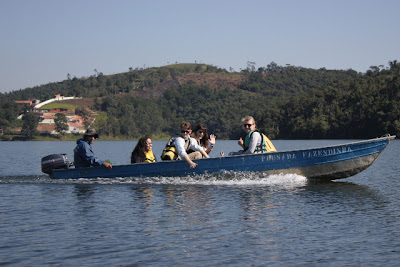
(81, 112)
(31, 122)
(61, 123)
(9, 112)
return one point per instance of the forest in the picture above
(288, 102)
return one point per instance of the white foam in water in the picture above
(229, 178)
(223, 179)
(246, 179)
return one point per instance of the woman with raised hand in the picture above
(200, 134)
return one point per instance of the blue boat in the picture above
(324, 163)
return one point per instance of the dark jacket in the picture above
(84, 155)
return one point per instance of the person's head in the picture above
(186, 129)
(249, 124)
(143, 145)
(91, 135)
(200, 133)
(148, 144)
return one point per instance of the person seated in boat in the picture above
(254, 141)
(83, 152)
(143, 151)
(178, 146)
(200, 134)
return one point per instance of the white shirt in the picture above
(179, 144)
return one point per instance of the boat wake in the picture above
(226, 179)
(221, 179)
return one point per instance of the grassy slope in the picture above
(59, 105)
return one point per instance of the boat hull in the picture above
(331, 171)
(325, 163)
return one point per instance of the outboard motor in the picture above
(54, 161)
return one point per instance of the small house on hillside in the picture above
(46, 129)
(75, 124)
(46, 125)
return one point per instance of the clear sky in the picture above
(41, 41)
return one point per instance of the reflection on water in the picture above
(232, 219)
(130, 223)
(83, 191)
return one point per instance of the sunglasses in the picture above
(185, 131)
(200, 132)
(247, 125)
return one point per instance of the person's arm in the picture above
(255, 139)
(204, 153)
(241, 143)
(179, 144)
(182, 153)
(197, 147)
(94, 161)
(180, 148)
(189, 161)
(211, 141)
(87, 155)
(108, 165)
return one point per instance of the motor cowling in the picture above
(54, 161)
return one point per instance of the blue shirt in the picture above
(84, 155)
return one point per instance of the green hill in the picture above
(287, 102)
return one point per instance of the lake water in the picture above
(243, 221)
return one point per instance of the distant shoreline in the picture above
(70, 137)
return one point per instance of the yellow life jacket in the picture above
(149, 156)
(268, 144)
